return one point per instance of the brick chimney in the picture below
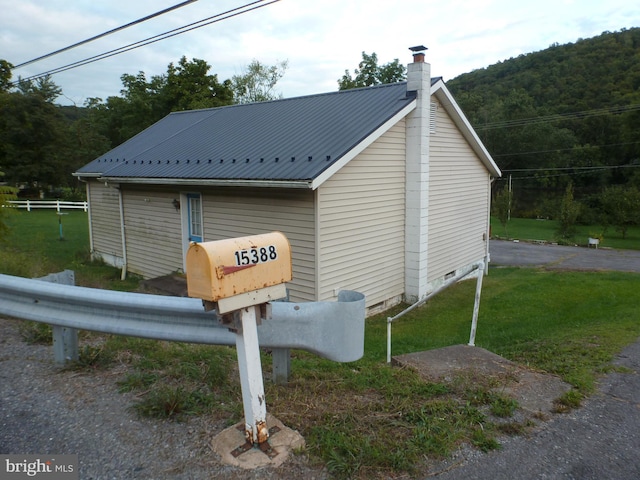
(417, 177)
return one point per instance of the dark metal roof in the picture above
(293, 139)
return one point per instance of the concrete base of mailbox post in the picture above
(282, 443)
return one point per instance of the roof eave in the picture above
(213, 182)
(86, 175)
(363, 144)
(440, 90)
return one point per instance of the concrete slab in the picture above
(282, 443)
(534, 391)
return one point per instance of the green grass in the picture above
(367, 419)
(34, 248)
(567, 323)
(532, 229)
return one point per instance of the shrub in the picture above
(568, 215)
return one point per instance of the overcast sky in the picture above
(320, 38)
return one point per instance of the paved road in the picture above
(561, 257)
(600, 440)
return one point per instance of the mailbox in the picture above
(239, 272)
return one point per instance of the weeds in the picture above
(35, 333)
(570, 400)
(503, 407)
(94, 356)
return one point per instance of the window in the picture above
(195, 217)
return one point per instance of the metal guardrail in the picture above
(333, 330)
(58, 205)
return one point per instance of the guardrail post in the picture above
(65, 339)
(253, 398)
(65, 344)
(281, 365)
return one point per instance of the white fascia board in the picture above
(443, 94)
(197, 182)
(357, 149)
(86, 175)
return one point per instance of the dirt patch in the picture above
(173, 285)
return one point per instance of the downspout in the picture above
(487, 255)
(90, 218)
(316, 240)
(123, 274)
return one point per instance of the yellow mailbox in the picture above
(239, 272)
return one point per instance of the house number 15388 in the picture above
(256, 255)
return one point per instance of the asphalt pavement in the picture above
(509, 253)
(601, 439)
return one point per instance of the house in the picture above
(384, 190)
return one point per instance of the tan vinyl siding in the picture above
(105, 220)
(458, 184)
(228, 214)
(153, 232)
(361, 223)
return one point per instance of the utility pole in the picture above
(510, 196)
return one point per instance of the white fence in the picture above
(57, 204)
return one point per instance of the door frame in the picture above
(186, 213)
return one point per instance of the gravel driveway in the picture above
(44, 410)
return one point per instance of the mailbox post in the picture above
(238, 278)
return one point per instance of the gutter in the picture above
(193, 182)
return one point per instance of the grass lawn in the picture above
(42, 242)
(367, 419)
(532, 229)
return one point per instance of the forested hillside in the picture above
(567, 113)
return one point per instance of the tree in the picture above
(370, 73)
(5, 75)
(569, 106)
(6, 194)
(621, 206)
(189, 86)
(34, 139)
(186, 85)
(257, 82)
(502, 205)
(568, 215)
(43, 87)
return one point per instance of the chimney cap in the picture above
(418, 48)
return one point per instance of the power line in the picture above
(582, 147)
(558, 117)
(171, 33)
(96, 37)
(582, 171)
(553, 169)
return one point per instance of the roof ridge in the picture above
(300, 97)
